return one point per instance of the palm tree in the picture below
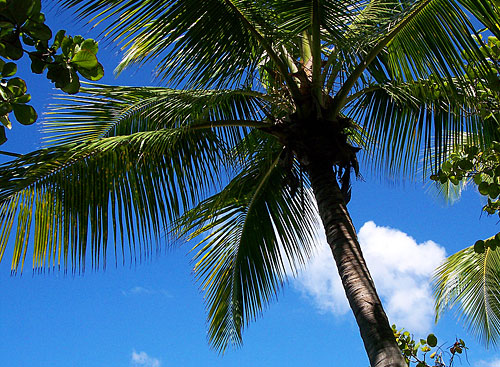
(276, 95)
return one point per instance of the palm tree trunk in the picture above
(376, 333)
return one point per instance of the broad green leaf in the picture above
(93, 74)
(431, 340)
(58, 74)
(21, 10)
(90, 45)
(37, 64)
(9, 69)
(58, 39)
(479, 246)
(85, 59)
(23, 99)
(5, 108)
(38, 31)
(25, 114)
(11, 47)
(17, 86)
(67, 45)
(73, 86)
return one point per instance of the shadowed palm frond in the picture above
(424, 39)
(487, 12)
(469, 282)
(413, 124)
(104, 111)
(247, 231)
(190, 39)
(138, 183)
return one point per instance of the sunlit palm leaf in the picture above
(334, 17)
(487, 12)
(248, 229)
(139, 183)
(469, 282)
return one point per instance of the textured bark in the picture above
(374, 327)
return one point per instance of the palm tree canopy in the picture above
(267, 86)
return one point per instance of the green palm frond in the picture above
(412, 124)
(487, 12)
(469, 282)
(334, 17)
(190, 39)
(104, 111)
(425, 39)
(138, 183)
(432, 43)
(448, 192)
(248, 229)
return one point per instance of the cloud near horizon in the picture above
(142, 359)
(400, 267)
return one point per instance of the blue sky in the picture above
(152, 314)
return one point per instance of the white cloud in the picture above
(399, 266)
(492, 363)
(137, 290)
(142, 359)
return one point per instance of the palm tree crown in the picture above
(277, 96)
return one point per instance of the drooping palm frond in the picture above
(190, 38)
(487, 12)
(247, 230)
(138, 183)
(432, 41)
(424, 39)
(415, 123)
(105, 111)
(469, 282)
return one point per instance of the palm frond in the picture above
(190, 38)
(333, 17)
(416, 123)
(424, 39)
(468, 282)
(248, 229)
(487, 12)
(432, 42)
(105, 111)
(136, 183)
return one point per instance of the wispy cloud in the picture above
(142, 359)
(400, 267)
(491, 363)
(137, 290)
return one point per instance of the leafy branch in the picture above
(21, 22)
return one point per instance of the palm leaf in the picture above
(247, 230)
(416, 123)
(137, 183)
(424, 38)
(104, 111)
(190, 38)
(468, 282)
